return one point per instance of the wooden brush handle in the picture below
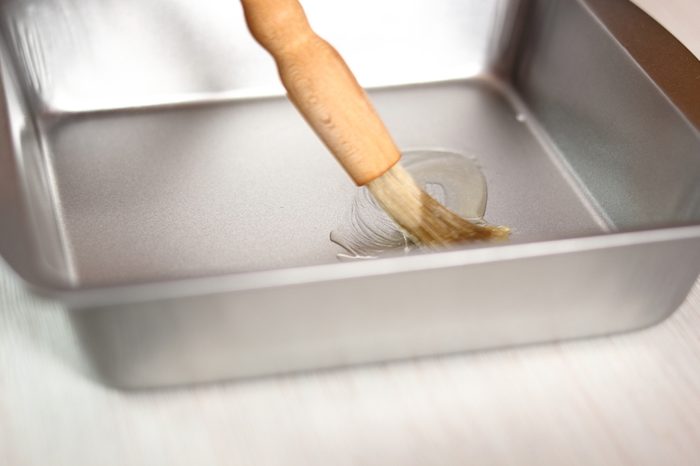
(323, 88)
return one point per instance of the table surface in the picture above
(632, 398)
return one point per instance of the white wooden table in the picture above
(630, 399)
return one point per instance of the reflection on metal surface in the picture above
(82, 55)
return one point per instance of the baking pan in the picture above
(154, 178)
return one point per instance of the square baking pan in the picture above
(155, 179)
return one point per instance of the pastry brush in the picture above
(323, 89)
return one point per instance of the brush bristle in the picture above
(425, 220)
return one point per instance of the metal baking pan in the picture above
(154, 178)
